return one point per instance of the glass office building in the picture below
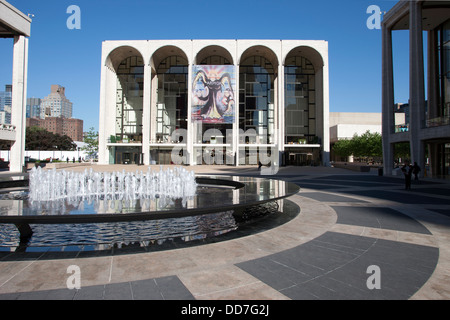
(234, 102)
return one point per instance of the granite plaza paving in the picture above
(348, 222)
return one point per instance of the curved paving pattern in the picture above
(348, 222)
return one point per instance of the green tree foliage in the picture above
(364, 146)
(41, 139)
(402, 150)
(343, 148)
(367, 145)
(91, 139)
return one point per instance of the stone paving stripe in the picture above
(378, 217)
(334, 266)
(326, 197)
(401, 197)
(445, 212)
(164, 288)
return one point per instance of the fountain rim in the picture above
(156, 215)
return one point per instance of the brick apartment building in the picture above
(64, 126)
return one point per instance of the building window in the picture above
(300, 104)
(129, 99)
(171, 108)
(256, 100)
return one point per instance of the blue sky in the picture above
(71, 58)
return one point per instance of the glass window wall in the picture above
(172, 95)
(129, 100)
(256, 100)
(300, 104)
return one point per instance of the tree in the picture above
(91, 139)
(37, 138)
(367, 145)
(343, 148)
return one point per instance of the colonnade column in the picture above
(190, 127)
(279, 111)
(387, 100)
(146, 113)
(416, 84)
(235, 128)
(326, 113)
(19, 102)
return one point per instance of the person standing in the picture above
(407, 171)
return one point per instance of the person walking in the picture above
(407, 171)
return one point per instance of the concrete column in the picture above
(387, 100)
(107, 115)
(279, 110)
(102, 149)
(416, 82)
(19, 102)
(190, 125)
(326, 113)
(146, 113)
(432, 76)
(235, 142)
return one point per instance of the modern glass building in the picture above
(5, 104)
(423, 122)
(196, 102)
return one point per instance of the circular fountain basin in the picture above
(219, 205)
(214, 194)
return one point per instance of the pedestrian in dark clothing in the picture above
(407, 171)
(415, 171)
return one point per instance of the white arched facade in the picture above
(150, 101)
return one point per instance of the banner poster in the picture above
(213, 93)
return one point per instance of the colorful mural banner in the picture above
(213, 93)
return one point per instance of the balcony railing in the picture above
(437, 122)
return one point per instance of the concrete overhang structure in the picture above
(14, 24)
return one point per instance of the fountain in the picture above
(51, 186)
(174, 202)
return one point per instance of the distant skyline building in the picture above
(34, 107)
(54, 114)
(56, 104)
(5, 104)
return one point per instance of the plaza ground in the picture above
(348, 222)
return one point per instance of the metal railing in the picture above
(437, 122)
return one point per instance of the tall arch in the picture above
(309, 53)
(214, 55)
(116, 56)
(163, 52)
(169, 103)
(262, 51)
(304, 114)
(122, 106)
(257, 89)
